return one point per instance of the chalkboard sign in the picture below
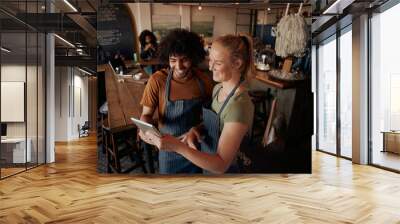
(114, 32)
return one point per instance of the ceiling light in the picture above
(5, 50)
(65, 41)
(237, 3)
(269, 9)
(70, 5)
(200, 8)
(86, 72)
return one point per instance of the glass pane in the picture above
(346, 94)
(31, 97)
(41, 98)
(13, 87)
(385, 84)
(32, 83)
(314, 90)
(327, 97)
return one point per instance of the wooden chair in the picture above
(122, 145)
(123, 99)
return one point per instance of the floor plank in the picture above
(71, 191)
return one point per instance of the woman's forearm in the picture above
(211, 162)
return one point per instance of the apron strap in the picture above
(216, 92)
(228, 97)
(168, 85)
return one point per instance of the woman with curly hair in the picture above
(148, 45)
(148, 49)
(227, 122)
(178, 94)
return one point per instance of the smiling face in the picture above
(221, 64)
(180, 64)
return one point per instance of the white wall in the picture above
(69, 82)
(13, 72)
(10, 73)
(16, 73)
(142, 14)
(80, 83)
(185, 12)
(61, 103)
(33, 127)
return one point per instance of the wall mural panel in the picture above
(162, 24)
(203, 25)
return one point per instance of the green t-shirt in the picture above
(239, 109)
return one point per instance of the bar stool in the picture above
(120, 144)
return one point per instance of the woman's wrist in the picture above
(193, 129)
(181, 149)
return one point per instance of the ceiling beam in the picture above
(84, 24)
(82, 61)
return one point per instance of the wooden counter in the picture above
(128, 64)
(280, 84)
(101, 68)
(154, 61)
(123, 99)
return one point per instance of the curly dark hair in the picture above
(182, 42)
(142, 38)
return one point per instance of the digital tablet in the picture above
(145, 127)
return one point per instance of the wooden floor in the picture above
(10, 171)
(70, 191)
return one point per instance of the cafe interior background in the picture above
(281, 90)
(55, 93)
(52, 91)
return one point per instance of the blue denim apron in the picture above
(179, 117)
(211, 122)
